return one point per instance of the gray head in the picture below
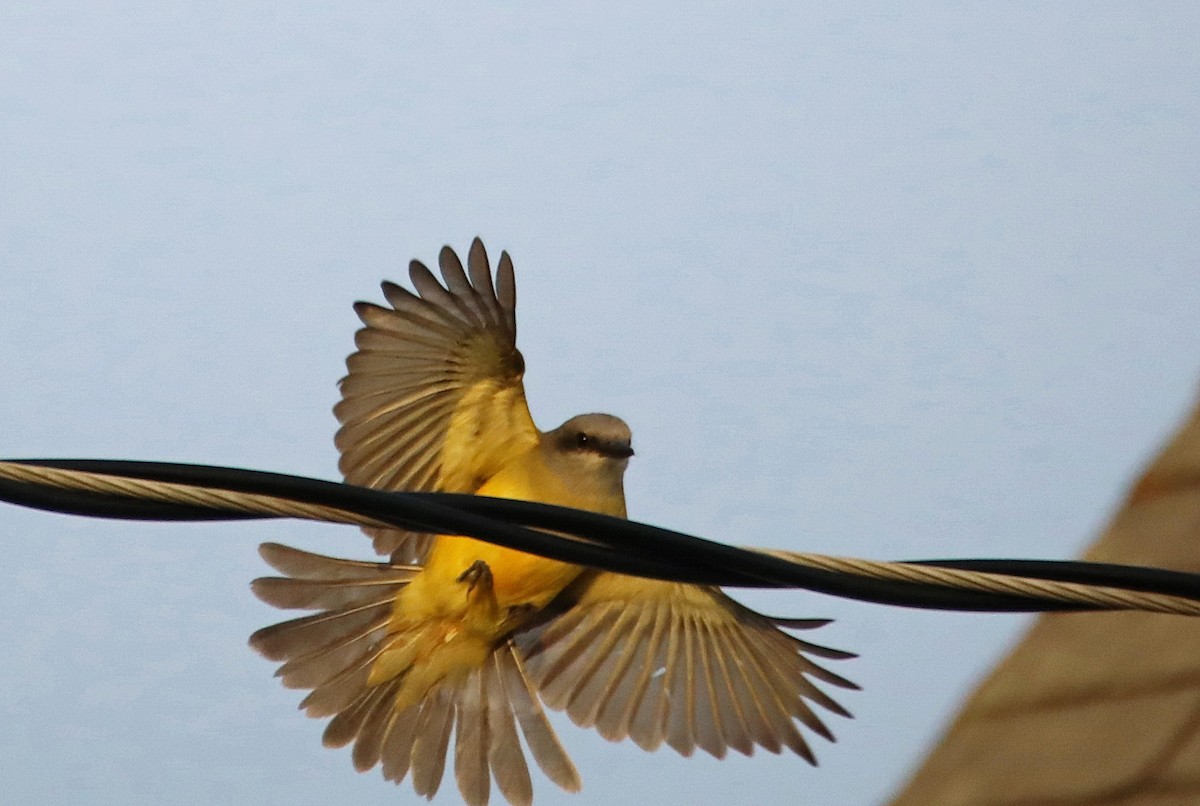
(601, 435)
(590, 452)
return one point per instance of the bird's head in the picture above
(591, 448)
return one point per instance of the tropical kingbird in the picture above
(458, 634)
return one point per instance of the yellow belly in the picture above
(518, 578)
(443, 625)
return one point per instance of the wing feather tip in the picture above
(261, 588)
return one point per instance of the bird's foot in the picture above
(477, 573)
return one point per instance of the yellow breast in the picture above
(518, 578)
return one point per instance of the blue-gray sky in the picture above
(895, 281)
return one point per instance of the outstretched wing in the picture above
(682, 664)
(433, 400)
(331, 652)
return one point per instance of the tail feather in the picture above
(432, 740)
(539, 735)
(395, 754)
(471, 763)
(368, 748)
(504, 749)
(346, 725)
(332, 652)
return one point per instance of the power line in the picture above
(163, 491)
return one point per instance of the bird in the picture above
(450, 634)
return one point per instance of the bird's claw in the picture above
(477, 573)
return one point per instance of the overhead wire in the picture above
(174, 492)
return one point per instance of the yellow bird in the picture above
(457, 635)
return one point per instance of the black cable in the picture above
(426, 511)
(611, 543)
(404, 510)
(903, 594)
(409, 510)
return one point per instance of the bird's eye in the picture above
(582, 440)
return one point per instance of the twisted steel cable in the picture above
(196, 501)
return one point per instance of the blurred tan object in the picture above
(1092, 708)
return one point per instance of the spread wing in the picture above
(433, 400)
(682, 664)
(331, 651)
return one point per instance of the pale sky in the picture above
(898, 281)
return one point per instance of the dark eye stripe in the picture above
(583, 441)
